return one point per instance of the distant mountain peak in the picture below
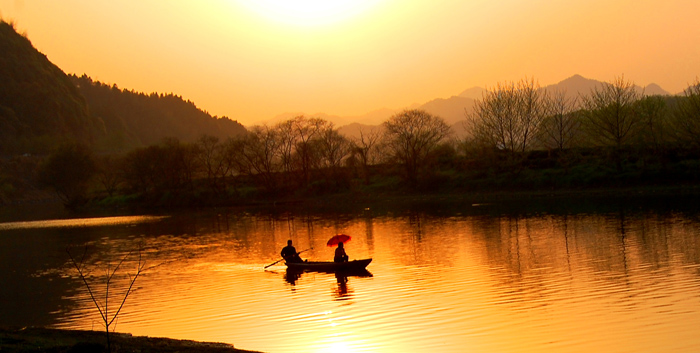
(653, 89)
(578, 80)
(473, 93)
(576, 77)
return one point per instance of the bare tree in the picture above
(686, 116)
(609, 114)
(560, 128)
(108, 311)
(334, 147)
(212, 155)
(294, 143)
(286, 139)
(365, 148)
(531, 110)
(306, 129)
(109, 173)
(232, 160)
(507, 117)
(259, 156)
(177, 165)
(652, 113)
(490, 123)
(410, 136)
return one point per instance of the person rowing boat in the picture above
(289, 253)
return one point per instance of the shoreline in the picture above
(40, 339)
(357, 201)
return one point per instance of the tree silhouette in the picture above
(68, 171)
(609, 113)
(686, 117)
(410, 136)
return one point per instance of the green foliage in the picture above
(118, 200)
(133, 119)
(168, 167)
(410, 138)
(610, 115)
(654, 121)
(68, 171)
(686, 117)
(39, 106)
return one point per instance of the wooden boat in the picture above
(329, 266)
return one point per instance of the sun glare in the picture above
(308, 13)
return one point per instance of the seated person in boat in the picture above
(340, 255)
(290, 254)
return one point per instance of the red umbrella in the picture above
(340, 238)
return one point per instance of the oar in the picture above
(283, 258)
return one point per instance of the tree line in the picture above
(519, 136)
(615, 119)
(131, 119)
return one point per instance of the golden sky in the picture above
(251, 60)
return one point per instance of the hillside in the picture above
(39, 106)
(134, 119)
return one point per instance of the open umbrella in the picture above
(340, 238)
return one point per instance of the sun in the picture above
(309, 13)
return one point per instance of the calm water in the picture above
(463, 278)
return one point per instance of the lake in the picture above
(447, 276)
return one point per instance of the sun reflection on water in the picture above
(511, 285)
(80, 222)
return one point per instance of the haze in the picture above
(252, 60)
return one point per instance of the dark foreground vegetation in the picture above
(31, 340)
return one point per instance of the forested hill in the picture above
(39, 105)
(134, 119)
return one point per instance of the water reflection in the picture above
(612, 278)
(342, 291)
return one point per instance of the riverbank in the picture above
(35, 340)
(376, 201)
(527, 199)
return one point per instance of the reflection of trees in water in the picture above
(635, 249)
(522, 252)
(418, 239)
(369, 230)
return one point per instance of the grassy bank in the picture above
(54, 340)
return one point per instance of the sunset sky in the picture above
(251, 60)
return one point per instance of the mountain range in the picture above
(453, 109)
